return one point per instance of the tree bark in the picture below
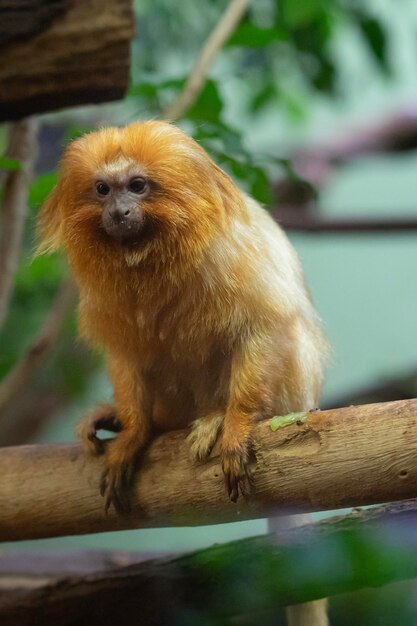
(22, 147)
(81, 57)
(243, 582)
(322, 460)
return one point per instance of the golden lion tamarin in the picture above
(192, 290)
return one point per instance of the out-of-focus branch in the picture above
(58, 563)
(332, 556)
(29, 410)
(218, 37)
(396, 133)
(296, 197)
(301, 220)
(44, 340)
(22, 147)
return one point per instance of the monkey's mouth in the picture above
(130, 232)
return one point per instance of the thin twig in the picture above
(195, 82)
(44, 340)
(22, 147)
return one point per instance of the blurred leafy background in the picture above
(295, 74)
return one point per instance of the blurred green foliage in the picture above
(247, 581)
(9, 165)
(284, 49)
(68, 369)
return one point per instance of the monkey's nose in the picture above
(122, 223)
(119, 215)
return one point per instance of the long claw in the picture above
(235, 469)
(115, 486)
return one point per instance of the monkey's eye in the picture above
(138, 185)
(102, 188)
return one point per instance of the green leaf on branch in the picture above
(310, 41)
(261, 186)
(262, 97)
(225, 145)
(376, 40)
(300, 12)
(294, 105)
(155, 94)
(217, 135)
(252, 36)
(11, 165)
(150, 89)
(252, 176)
(208, 106)
(324, 78)
(279, 421)
(75, 131)
(41, 187)
(42, 273)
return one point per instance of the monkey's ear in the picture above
(50, 224)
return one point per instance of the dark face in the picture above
(121, 193)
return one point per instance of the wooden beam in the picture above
(62, 54)
(21, 19)
(323, 460)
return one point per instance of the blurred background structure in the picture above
(312, 106)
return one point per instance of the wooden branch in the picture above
(22, 148)
(322, 460)
(58, 563)
(38, 349)
(216, 40)
(82, 57)
(243, 578)
(392, 134)
(30, 410)
(297, 209)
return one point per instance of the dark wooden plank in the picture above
(20, 19)
(83, 56)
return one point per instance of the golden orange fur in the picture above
(206, 320)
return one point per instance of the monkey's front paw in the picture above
(203, 436)
(116, 486)
(103, 417)
(235, 466)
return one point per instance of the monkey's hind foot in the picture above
(116, 486)
(101, 418)
(236, 470)
(203, 436)
(118, 478)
